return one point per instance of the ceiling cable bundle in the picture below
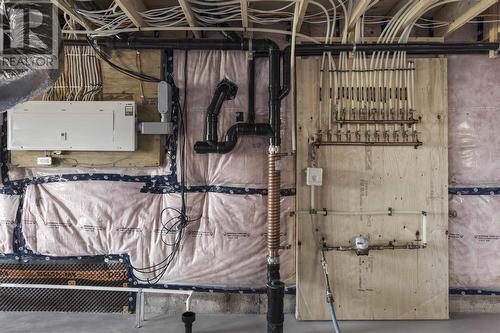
(170, 16)
(106, 58)
(81, 79)
(107, 19)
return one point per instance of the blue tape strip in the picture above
(463, 291)
(32, 256)
(215, 289)
(474, 190)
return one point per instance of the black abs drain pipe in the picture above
(188, 319)
(275, 316)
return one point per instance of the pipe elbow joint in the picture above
(261, 45)
(229, 87)
(205, 147)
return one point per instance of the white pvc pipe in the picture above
(424, 229)
(140, 293)
(379, 212)
(293, 77)
(98, 288)
(312, 199)
(371, 213)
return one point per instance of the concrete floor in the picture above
(48, 322)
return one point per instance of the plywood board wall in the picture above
(117, 86)
(388, 284)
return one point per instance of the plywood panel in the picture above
(389, 284)
(117, 86)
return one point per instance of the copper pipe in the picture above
(390, 246)
(354, 143)
(378, 122)
(273, 203)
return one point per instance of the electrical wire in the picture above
(106, 58)
(177, 223)
(81, 79)
(106, 19)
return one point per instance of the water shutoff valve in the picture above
(361, 245)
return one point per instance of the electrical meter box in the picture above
(72, 126)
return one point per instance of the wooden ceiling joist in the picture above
(68, 6)
(464, 11)
(302, 13)
(398, 5)
(494, 28)
(188, 13)
(244, 13)
(132, 8)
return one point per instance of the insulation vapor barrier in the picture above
(224, 243)
(474, 145)
(474, 242)
(474, 156)
(22, 77)
(8, 211)
(224, 246)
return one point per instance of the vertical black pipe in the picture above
(287, 75)
(274, 95)
(167, 63)
(251, 88)
(273, 272)
(225, 90)
(188, 319)
(275, 316)
(275, 288)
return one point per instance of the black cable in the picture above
(180, 220)
(123, 70)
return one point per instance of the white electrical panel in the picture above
(72, 126)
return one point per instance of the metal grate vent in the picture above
(91, 272)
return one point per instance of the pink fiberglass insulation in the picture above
(474, 233)
(8, 210)
(205, 71)
(474, 159)
(474, 120)
(224, 244)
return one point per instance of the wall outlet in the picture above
(314, 176)
(44, 161)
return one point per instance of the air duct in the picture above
(31, 57)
